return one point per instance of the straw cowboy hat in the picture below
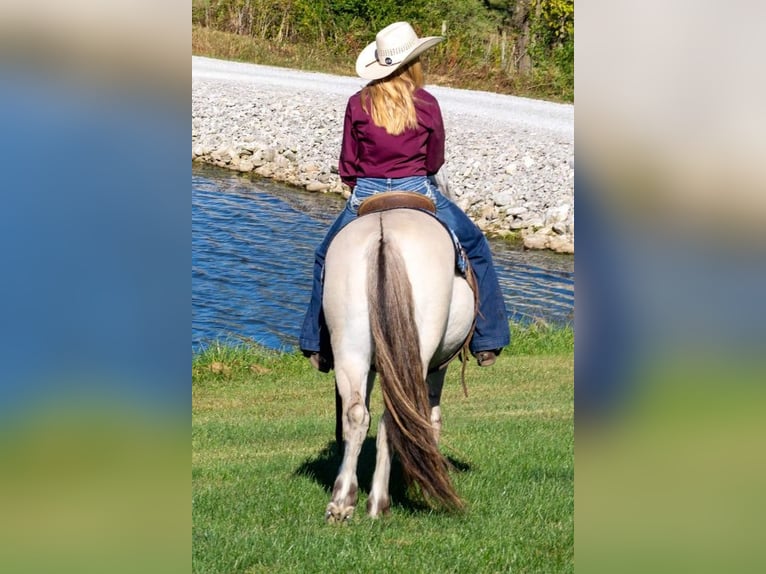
(394, 46)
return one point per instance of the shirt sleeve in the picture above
(348, 166)
(435, 144)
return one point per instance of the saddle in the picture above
(395, 200)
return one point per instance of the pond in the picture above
(252, 252)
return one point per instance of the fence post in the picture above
(502, 50)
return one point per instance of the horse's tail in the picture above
(399, 367)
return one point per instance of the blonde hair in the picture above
(391, 102)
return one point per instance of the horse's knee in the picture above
(358, 415)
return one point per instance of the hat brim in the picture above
(368, 67)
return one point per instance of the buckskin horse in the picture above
(394, 305)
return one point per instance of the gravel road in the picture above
(509, 160)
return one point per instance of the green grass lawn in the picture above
(264, 460)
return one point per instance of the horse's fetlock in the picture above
(337, 487)
(379, 507)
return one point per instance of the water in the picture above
(252, 253)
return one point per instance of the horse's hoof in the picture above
(336, 514)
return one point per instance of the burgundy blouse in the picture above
(369, 151)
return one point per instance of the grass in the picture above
(228, 46)
(540, 338)
(264, 459)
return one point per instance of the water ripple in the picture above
(252, 252)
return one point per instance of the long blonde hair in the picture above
(391, 102)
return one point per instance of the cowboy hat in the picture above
(394, 46)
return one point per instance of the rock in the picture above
(317, 186)
(282, 162)
(536, 241)
(561, 244)
(232, 154)
(488, 212)
(217, 154)
(528, 161)
(503, 198)
(557, 214)
(246, 165)
(268, 154)
(311, 168)
(265, 170)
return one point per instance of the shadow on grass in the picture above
(323, 469)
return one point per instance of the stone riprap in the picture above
(509, 161)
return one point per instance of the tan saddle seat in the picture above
(395, 199)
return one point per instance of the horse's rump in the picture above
(428, 253)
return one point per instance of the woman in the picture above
(393, 139)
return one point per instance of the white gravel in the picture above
(509, 160)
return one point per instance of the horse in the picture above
(394, 305)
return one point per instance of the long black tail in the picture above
(399, 366)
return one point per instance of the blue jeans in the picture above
(492, 322)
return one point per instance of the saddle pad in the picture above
(395, 199)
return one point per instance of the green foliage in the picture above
(524, 46)
(556, 20)
(553, 33)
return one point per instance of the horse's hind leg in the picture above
(352, 386)
(378, 502)
(435, 382)
(338, 418)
